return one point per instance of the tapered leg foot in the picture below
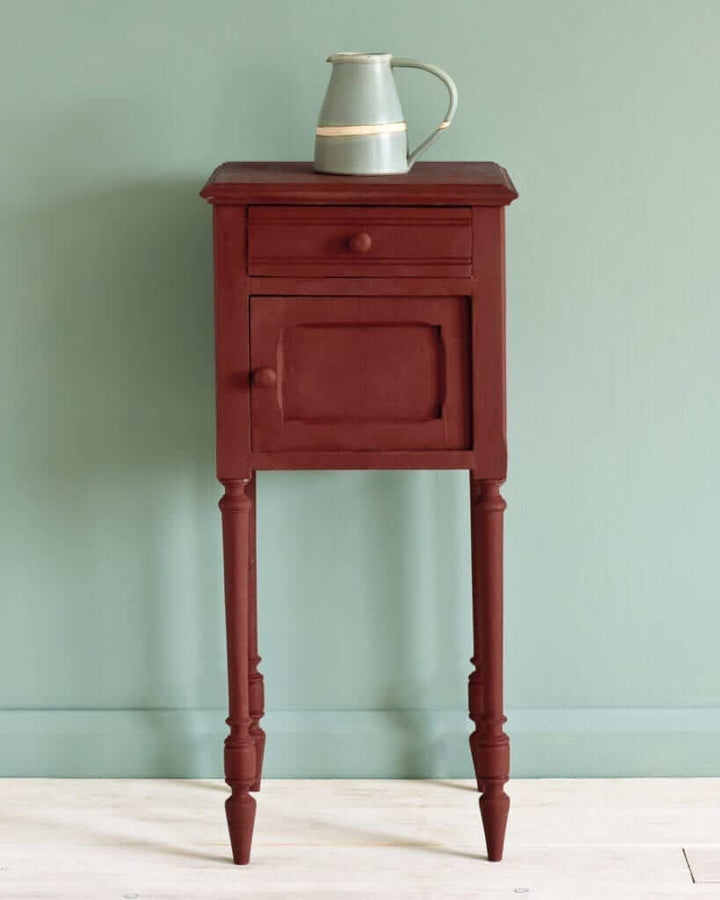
(494, 807)
(240, 812)
(491, 757)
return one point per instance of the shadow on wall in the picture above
(113, 452)
(127, 328)
(433, 613)
(365, 622)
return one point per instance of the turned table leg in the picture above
(240, 749)
(489, 745)
(256, 688)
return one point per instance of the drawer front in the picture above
(360, 373)
(362, 241)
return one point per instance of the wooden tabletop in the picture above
(427, 183)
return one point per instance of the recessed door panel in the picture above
(360, 373)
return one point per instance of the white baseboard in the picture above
(153, 743)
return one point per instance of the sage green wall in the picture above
(112, 656)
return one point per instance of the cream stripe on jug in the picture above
(351, 130)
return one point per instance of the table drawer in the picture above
(360, 373)
(363, 241)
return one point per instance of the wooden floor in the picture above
(137, 840)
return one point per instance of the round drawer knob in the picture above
(360, 242)
(265, 377)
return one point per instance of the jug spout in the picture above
(358, 56)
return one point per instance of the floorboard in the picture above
(601, 839)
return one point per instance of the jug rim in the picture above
(363, 56)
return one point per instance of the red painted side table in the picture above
(360, 325)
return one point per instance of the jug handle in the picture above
(452, 91)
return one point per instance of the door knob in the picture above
(360, 242)
(264, 377)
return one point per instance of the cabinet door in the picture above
(360, 373)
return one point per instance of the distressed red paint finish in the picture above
(360, 324)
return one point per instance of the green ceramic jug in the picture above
(361, 130)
